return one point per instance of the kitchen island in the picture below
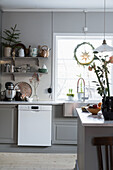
(90, 126)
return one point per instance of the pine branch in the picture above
(11, 36)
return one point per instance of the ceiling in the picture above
(6, 5)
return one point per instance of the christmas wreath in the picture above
(84, 55)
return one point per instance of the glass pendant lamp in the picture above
(104, 47)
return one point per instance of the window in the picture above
(67, 71)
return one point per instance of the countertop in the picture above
(87, 119)
(32, 103)
(51, 102)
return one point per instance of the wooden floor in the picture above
(36, 161)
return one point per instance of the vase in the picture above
(7, 51)
(70, 98)
(107, 107)
(35, 96)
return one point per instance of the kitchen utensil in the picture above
(25, 89)
(42, 70)
(94, 111)
(18, 96)
(28, 69)
(21, 52)
(7, 51)
(43, 51)
(9, 86)
(18, 69)
(2, 95)
(29, 99)
(10, 94)
(12, 68)
(7, 68)
(44, 66)
(33, 52)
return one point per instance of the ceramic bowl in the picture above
(94, 111)
(42, 70)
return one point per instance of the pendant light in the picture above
(104, 47)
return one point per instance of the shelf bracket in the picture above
(37, 61)
(13, 77)
(13, 56)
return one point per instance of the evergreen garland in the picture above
(75, 51)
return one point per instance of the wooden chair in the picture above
(106, 143)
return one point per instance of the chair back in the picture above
(107, 155)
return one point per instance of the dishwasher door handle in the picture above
(35, 108)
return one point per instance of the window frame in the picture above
(57, 36)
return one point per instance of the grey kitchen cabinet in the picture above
(64, 129)
(8, 123)
(65, 132)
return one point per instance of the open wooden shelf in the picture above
(22, 73)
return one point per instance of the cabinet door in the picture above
(8, 122)
(65, 132)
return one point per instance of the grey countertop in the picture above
(87, 119)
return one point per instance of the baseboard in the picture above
(51, 149)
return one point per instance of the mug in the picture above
(33, 52)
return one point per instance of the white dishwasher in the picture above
(34, 125)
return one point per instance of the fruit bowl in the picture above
(94, 111)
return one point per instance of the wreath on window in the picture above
(83, 53)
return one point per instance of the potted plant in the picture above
(103, 84)
(70, 94)
(10, 38)
(81, 88)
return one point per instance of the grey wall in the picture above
(73, 22)
(37, 28)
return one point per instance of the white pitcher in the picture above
(21, 52)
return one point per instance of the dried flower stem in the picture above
(107, 81)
